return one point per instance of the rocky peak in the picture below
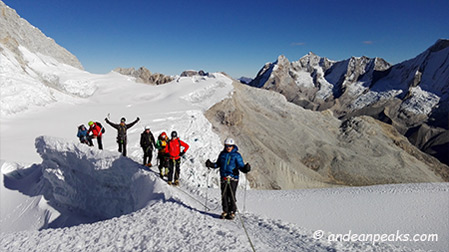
(143, 75)
(190, 73)
(380, 64)
(359, 66)
(310, 59)
(282, 60)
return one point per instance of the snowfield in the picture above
(130, 209)
(60, 195)
(100, 201)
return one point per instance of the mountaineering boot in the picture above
(230, 216)
(223, 215)
(149, 165)
(176, 182)
(161, 175)
(169, 182)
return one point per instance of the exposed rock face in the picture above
(190, 73)
(290, 147)
(144, 75)
(407, 95)
(16, 31)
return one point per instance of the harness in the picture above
(121, 133)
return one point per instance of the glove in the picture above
(182, 153)
(246, 168)
(138, 119)
(209, 164)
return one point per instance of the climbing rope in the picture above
(239, 214)
(235, 203)
(188, 194)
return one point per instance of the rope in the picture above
(207, 208)
(237, 211)
(240, 217)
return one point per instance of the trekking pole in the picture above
(102, 127)
(207, 186)
(244, 197)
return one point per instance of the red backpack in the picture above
(174, 148)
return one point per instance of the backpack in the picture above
(101, 126)
(174, 147)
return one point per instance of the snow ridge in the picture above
(95, 184)
(150, 215)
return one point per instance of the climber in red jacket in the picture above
(175, 152)
(97, 132)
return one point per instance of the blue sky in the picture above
(236, 37)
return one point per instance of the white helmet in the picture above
(229, 141)
(147, 127)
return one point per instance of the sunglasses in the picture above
(229, 146)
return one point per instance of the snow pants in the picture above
(163, 163)
(100, 142)
(87, 140)
(174, 167)
(122, 146)
(228, 197)
(147, 155)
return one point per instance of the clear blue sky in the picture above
(236, 37)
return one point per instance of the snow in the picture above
(59, 195)
(39, 82)
(409, 209)
(421, 101)
(303, 79)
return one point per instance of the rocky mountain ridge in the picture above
(143, 75)
(291, 147)
(409, 95)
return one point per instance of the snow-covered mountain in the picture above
(407, 95)
(33, 68)
(421, 85)
(315, 82)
